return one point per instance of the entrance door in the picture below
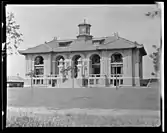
(116, 72)
(75, 63)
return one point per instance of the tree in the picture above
(31, 74)
(155, 13)
(13, 35)
(155, 56)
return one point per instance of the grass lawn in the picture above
(103, 98)
(23, 118)
(145, 100)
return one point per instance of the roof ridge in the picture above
(48, 46)
(128, 41)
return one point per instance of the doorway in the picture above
(74, 64)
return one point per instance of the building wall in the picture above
(135, 63)
(30, 62)
(130, 63)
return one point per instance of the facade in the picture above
(15, 81)
(86, 61)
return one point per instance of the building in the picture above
(15, 81)
(105, 61)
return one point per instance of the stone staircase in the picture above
(69, 83)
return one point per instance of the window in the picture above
(42, 81)
(39, 66)
(64, 44)
(116, 64)
(116, 58)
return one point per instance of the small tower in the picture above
(84, 31)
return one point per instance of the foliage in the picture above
(69, 119)
(155, 56)
(13, 35)
(31, 73)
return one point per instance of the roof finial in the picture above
(84, 21)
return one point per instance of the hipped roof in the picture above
(14, 79)
(110, 43)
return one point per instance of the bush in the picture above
(144, 82)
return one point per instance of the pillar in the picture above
(89, 66)
(86, 67)
(102, 66)
(53, 68)
(68, 64)
(60, 69)
(80, 71)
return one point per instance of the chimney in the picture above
(17, 75)
(116, 35)
(55, 38)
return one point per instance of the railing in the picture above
(96, 80)
(49, 80)
(115, 79)
(105, 80)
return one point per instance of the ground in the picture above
(140, 104)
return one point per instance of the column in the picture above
(84, 66)
(67, 64)
(88, 66)
(70, 65)
(80, 71)
(53, 67)
(109, 67)
(60, 68)
(32, 65)
(102, 79)
(101, 66)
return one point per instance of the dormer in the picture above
(97, 41)
(64, 44)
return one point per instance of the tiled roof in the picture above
(111, 42)
(14, 79)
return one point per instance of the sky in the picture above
(40, 23)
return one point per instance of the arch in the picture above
(120, 52)
(95, 64)
(73, 54)
(64, 56)
(90, 54)
(116, 68)
(38, 60)
(38, 66)
(36, 55)
(57, 59)
(75, 63)
(116, 57)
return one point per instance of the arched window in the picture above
(39, 60)
(58, 58)
(116, 64)
(116, 57)
(116, 67)
(95, 64)
(39, 66)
